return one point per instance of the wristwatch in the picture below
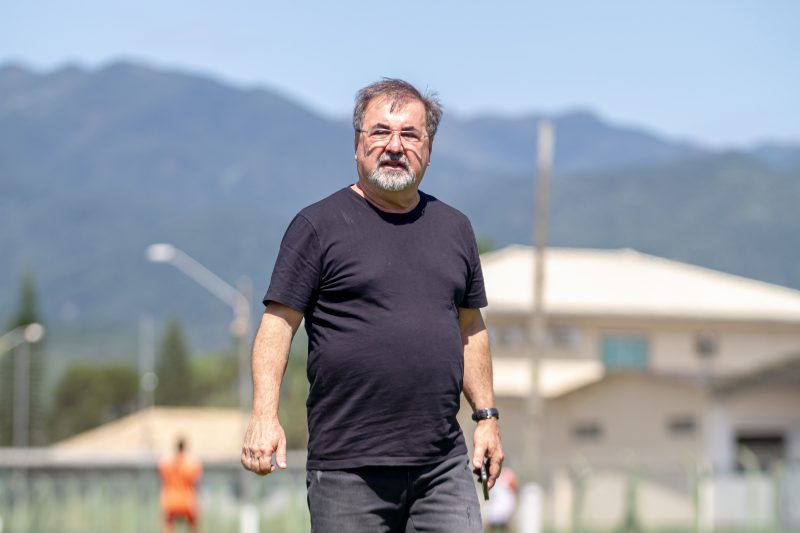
(483, 414)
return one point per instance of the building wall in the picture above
(633, 411)
(674, 347)
(569, 339)
(739, 349)
(633, 414)
(764, 409)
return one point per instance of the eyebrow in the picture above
(382, 126)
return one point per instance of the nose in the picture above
(395, 144)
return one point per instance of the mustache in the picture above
(395, 158)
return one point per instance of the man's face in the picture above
(399, 162)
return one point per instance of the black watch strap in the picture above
(483, 414)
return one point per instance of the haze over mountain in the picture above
(95, 165)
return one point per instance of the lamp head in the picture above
(160, 253)
(33, 333)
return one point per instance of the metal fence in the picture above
(44, 492)
(692, 498)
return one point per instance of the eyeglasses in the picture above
(382, 137)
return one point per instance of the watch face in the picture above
(483, 414)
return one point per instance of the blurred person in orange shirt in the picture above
(180, 474)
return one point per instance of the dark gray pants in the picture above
(439, 498)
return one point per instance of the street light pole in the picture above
(239, 301)
(148, 381)
(22, 399)
(237, 298)
(147, 386)
(245, 289)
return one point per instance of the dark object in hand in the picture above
(484, 475)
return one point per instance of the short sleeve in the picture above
(475, 293)
(295, 278)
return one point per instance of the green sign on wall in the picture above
(625, 352)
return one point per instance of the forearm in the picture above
(478, 387)
(270, 356)
(479, 390)
(265, 436)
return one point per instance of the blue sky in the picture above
(718, 72)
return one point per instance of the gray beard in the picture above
(390, 179)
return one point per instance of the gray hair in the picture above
(399, 92)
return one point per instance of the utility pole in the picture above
(531, 515)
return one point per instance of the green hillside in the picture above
(96, 165)
(724, 211)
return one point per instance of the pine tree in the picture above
(27, 313)
(175, 386)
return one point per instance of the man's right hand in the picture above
(264, 437)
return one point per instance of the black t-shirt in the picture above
(380, 293)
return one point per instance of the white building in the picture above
(650, 364)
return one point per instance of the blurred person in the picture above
(180, 474)
(389, 282)
(500, 509)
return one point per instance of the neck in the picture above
(387, 201)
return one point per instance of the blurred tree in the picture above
(27, 308)
(89, 394)
(485, 244)
(215, 378)
(175, 383)
(27, 313)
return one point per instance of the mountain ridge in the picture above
(97, 164)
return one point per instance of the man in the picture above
(389, 282)
(179, 476)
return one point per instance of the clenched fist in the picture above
(264, 437)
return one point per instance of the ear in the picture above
(356, 135)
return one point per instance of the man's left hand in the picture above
(486, 442)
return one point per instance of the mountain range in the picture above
(95, 164)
